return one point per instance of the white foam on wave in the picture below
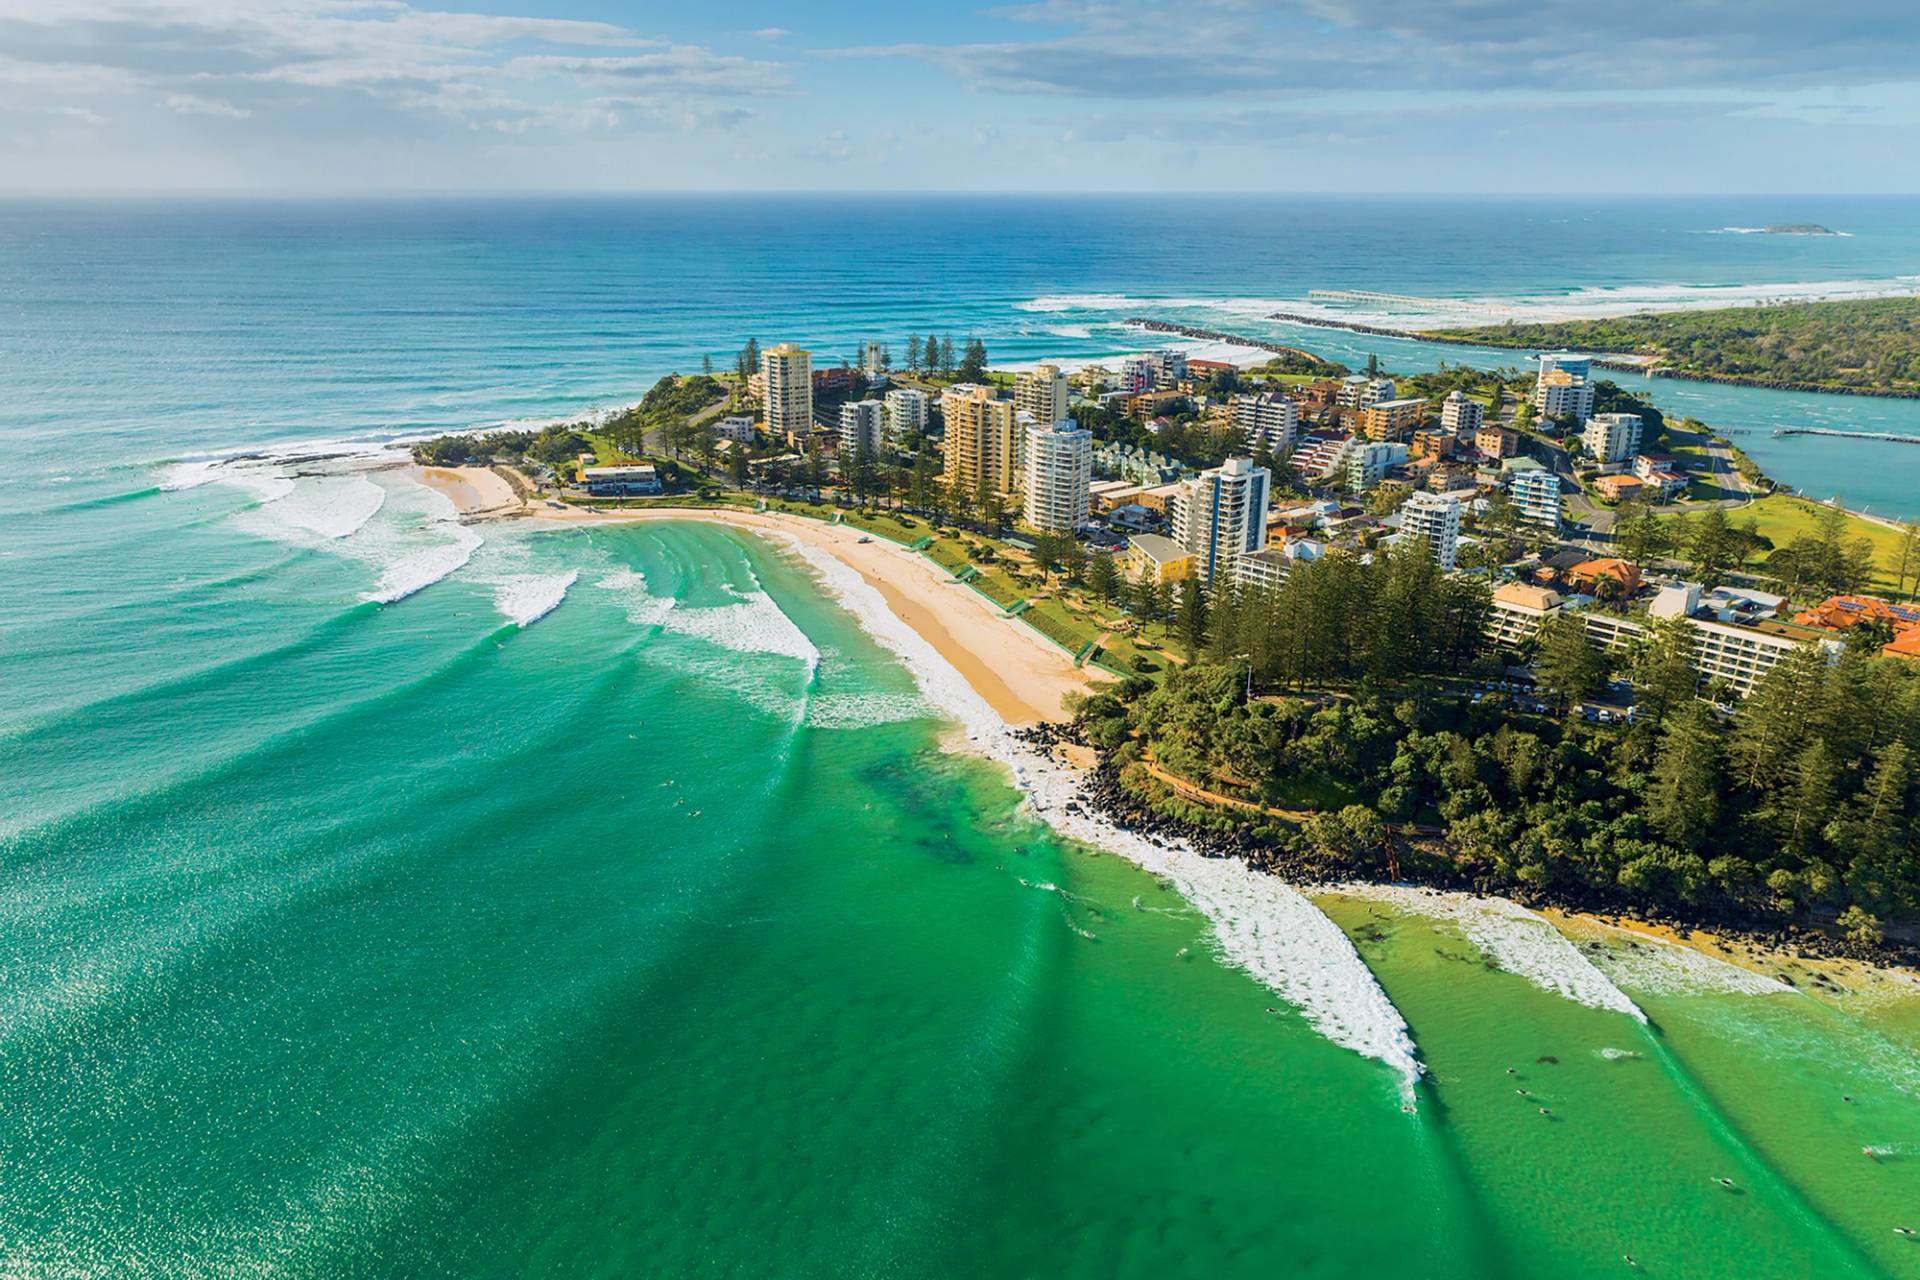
(861, 710)
(753, 623)
(525, 598)
(643, 609)
(181, 476)
(1513, 938)
(1658, 966)
(1263, 925)
(418, 570)
(323, 507)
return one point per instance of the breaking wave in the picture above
(524, 599)
(1513, 938)
(418, 570)
(1263, 925)
(326, 507)
(753, 623)
(862, 710)
(1660, 967)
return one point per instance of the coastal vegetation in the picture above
(1867, 346)
(1806, 548)
(1796, 806)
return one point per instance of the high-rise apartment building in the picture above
(1267, 420)
(982, 441)
(1220, 515)
(1044, 392)
(1435, 517)
(1459, 414)
(1058, 477)
(862, 426)
(1611, 437)
(789, 377)
(906, 414)
(1564, 388)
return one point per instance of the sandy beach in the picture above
(1022, 675)
(474, 491)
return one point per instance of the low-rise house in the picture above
(1590, 576)
(1619, 488)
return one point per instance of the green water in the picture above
(660, 936)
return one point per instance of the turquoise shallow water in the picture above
(608, 904)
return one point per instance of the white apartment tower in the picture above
(1564, 388)
(1269, 419)
(1358, 391)
(789, 376)
(1221, 515)
(906, 414)
(1536, 491)
(1169, 368)
(1137, 374)
(1459, 414)
(862, 426)
(1042, 391)
(1611, 437)
(1435, 517)
(1058, 477)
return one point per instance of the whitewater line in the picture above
(1514, 939)
(1264, 926)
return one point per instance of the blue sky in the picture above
(355, 96)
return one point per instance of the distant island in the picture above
(1798, 229)
(1855, 347)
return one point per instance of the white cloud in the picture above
(191, 105)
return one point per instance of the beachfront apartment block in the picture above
(1220, 515)
(1157, 559)
(1460, 415)
(906, 411)
(1267, 568)
(982, 440)
(1058, 477)
(788, 372)
(1137, 375)
(1611, 437)
(1044, 392)
(1564, 387)
(1267, 421)
(1435, 517)
(862, 426)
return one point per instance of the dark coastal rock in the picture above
(1104, 793)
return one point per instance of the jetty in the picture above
(1895, 437)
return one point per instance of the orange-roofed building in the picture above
(1837, 613)
(1586, 575)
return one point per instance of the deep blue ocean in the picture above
(148, 330)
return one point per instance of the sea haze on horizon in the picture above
(166, 326)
